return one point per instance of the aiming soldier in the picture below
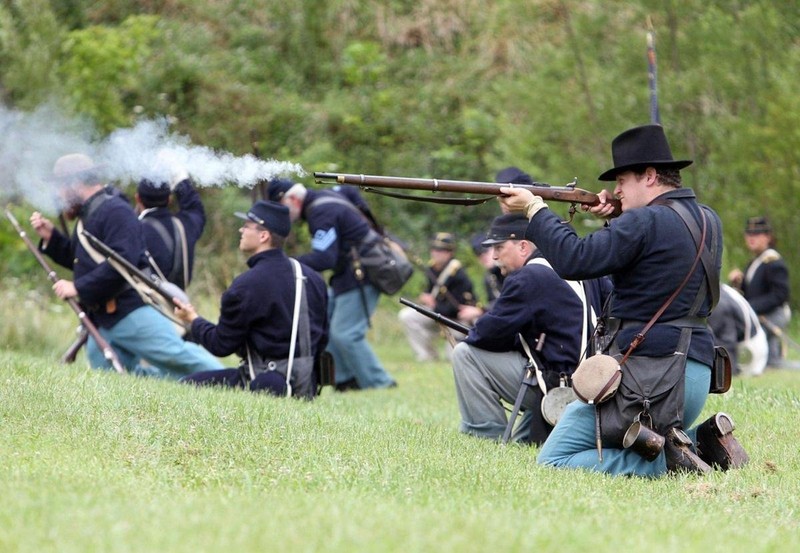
(648, 250)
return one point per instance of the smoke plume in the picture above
(31, 142)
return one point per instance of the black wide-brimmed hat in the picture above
(511, 226)
(644, 146)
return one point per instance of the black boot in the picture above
(680, 457)
(716, 444)
(347, 385)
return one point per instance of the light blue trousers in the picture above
(347, 342)
(145, 334)
(572, 442)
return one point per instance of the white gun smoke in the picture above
(31, 142)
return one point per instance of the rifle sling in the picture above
(447, 200)
(177, 245)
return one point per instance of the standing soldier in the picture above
(170, 238)
(765, 285)
(448, 290)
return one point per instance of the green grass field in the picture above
(93, 461)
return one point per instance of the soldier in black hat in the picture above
(648, 251)
(257, 310)
(169, 237)
(448, 288)
(534, 305)
(765, 285)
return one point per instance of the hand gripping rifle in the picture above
(568, 193)
(106, 348)
(153, 291)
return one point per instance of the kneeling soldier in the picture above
(256, 312)
(535, 302)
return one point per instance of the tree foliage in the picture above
(439, 88)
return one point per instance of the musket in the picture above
(72, 352)
(777, 331)
(105, 347)
(438, 317)
(652, 73)
(159, 293)
(569, 193)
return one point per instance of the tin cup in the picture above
(643, 440)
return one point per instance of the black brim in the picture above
(611, 174)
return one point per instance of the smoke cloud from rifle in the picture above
(33, 141)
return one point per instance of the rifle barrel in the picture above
(108, 351)
(165, 290)
(438, 317)
(568, 193)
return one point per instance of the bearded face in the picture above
(70, 202)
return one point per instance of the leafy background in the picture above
(430, 88)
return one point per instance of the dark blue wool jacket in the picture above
(193, 217)
(647, 252)
(111, 219)
(334, 229)
(258, 309)
(536, 300)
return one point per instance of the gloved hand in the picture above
(534, 206)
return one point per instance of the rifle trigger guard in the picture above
(572, 210)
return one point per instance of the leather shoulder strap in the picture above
(709, 254)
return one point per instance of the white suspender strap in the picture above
(298, 294)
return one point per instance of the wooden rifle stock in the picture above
(72, 352)
(106, 348)
(568, 193)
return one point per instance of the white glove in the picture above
(534, 206)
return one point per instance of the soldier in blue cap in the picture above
(257, 310)
(765, 284)
(535, 308)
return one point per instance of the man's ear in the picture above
(652, 176)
